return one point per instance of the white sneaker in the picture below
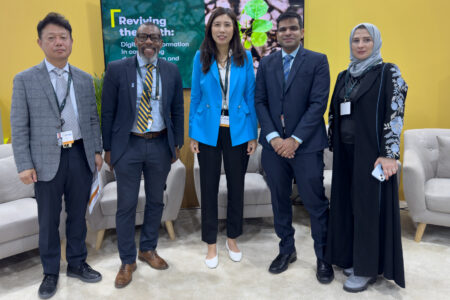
(234, 256)
(213, 262)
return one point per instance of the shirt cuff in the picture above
(297, 139)
(271, 136)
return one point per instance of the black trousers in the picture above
(152, 158)
(235, 161)
(73, 180)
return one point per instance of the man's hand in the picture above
(276, 143)
(389, 166)
(288, 148)
(194, 146)
(98, 161)
(251, 147)
(108, 160)
(28, 176)
(177, 154)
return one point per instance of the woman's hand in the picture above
(251, 147)
(389, 166)
(194, 146)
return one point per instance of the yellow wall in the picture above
(414, 34)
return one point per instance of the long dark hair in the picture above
(208, 49)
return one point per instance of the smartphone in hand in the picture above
(378, 173)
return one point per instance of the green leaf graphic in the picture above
(261, 26)
(256, 8)
(247, 44)
(258, 38)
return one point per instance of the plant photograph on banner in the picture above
(257, 22)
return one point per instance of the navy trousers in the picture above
(73, 180)
(152, 157)
(308, 172)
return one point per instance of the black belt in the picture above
(151, 134)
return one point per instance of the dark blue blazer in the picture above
(302, 99)
(119, 104)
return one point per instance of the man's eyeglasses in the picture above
(142, 37)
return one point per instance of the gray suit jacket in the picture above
(35, 120)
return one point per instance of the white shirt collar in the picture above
(51, 67)
(142, 63)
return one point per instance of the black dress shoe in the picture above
(281, 262)
(325, 273)
(48, 286)
(84, 272)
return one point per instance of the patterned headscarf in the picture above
(356, 66)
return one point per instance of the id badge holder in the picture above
(224, 121)
(65, 138)
(345, 108)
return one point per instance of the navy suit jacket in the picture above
(119, 105)
(302, 99)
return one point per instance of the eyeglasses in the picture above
(142, 37)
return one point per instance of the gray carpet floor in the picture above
(427, 267)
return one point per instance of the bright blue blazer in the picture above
(206, 103)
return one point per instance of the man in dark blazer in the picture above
(291, 95)
(57, 146)
(143, 130)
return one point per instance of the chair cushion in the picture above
(443, 167)
(437, 195)
(108, 200)
(256, 190)
(18, 219)
(11, 188)
(6, 150)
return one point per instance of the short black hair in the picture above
(290, 15)
(56, 19)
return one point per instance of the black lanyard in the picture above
(63, 103)
(144, 86)
(349, 89)
(222, 86)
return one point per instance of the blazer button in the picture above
(239, 106)
(207, 105)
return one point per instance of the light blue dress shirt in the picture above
(275, 134)
(156, 104)
(52, 74)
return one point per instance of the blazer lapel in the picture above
(164, 81)
(44, 80)
(215, 71)
(298, 60)
(131, 79)
(234, 75)
(77, 86)
(279, 69)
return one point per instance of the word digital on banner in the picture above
(182, 24)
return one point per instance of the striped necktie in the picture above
(144, 113)
(286, 66)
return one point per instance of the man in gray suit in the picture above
(143, 129)
(57, 146)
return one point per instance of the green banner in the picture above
(182, 24)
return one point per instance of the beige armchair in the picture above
(257, 200)
(428, 197)
(19, 228)
(104, 212)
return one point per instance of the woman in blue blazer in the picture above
(222, 121)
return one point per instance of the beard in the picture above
(148, 60)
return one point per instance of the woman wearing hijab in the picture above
(222, 122)
(365, 123)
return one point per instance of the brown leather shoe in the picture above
(125, 275)
(153, 259)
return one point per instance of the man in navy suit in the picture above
(291, 95)
(143, 128)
